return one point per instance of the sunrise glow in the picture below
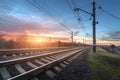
(24, 22)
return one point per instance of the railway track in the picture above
(11, 52)
(27, 67)
(17, 53)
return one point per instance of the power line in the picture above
(35, 4)
(50, 6)
(71, 9)
(93, 14)
(77, 16)
(41, 8)
(56, 14)
(53, 16)
(99, 13)
(79, 20)
(109, 13)
(65, 26)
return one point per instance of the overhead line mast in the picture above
(93, 14)
(94, 27)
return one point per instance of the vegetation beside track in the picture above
(104, 65)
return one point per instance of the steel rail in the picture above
(24, 59)
(37, 70)
(27, 50)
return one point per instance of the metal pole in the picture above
(72, 36)
(94, 27)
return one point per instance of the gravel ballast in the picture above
(77, 70)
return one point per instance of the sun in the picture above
(38, 40)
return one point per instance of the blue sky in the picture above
(21, 16)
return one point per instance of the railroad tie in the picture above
(19, 68)
(50, 58)
(75, 56)
(57, 69)
(50, 74)
(4, 56)
(31, 52)
(39, 62)
(69, 60)
(13, 55)
(31, 64)
(54, 55)
(26, 53)
(62, 65)
(4, 73)
(20, 54)
(45, 60)
(66, 62)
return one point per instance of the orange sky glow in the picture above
(53, 37)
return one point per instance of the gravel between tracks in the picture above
(77, 70)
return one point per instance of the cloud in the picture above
(12, 24)
(112, 36)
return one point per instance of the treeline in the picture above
(7, 44)
(28, 41)
(60, 44)
(12, 44)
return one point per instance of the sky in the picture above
(51, 17)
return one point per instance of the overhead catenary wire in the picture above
(53, 9)
(118, 18)
(63, 25)
(50, 7)
(52, 16)
(76, 15)
(39, 7)
(99, 13)
(71, 9)
(79, 20)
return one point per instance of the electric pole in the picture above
(93, 14)
(72, 36)
(94, 27)
(83, 40)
